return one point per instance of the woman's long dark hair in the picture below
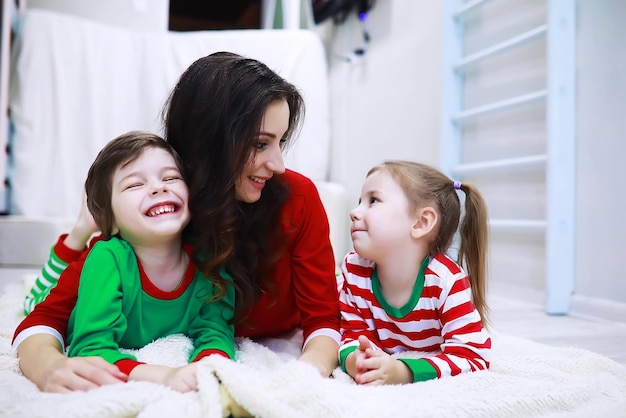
(212, 119)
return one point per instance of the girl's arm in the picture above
(370, 366)
(467, 344)
(353, 323)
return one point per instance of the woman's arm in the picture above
(321, 352)
(42, 362)
(313, 274)
(39, 343)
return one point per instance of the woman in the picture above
(229, 118)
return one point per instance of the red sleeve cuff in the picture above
(64, 252)
(206, 353)
(127, 365)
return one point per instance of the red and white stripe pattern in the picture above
(444, 319)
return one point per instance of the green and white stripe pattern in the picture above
(46, 280)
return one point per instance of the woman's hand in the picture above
(43, 362)
(82, 373)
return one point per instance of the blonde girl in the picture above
(403, 296)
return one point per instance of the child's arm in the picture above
(352, 362)
(213, 334)
(212, 329)
(182, 379)
(353, 325)
(98, 322)
(370, 366)
(466, 345)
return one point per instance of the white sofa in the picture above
(76, 83)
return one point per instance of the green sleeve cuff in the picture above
(227, 347)
(343, 355)
(422, 370)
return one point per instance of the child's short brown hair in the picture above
(119, 152)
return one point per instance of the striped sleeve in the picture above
(466, 344)
(60, 257)
(439, 323)
(354, 303)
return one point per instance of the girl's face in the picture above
(267, 158)
(381, 223)
(149, 198)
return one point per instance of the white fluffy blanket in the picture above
(526, 379)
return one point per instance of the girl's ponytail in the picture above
(473, 252)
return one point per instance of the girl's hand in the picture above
(360, 357)
(376, 367)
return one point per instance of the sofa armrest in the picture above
(334, 198)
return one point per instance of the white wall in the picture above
(7, 9)
(150, 15)
(386, 105)
(601, 150)
(141, 15)
(516, 257)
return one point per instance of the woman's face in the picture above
(267, 158)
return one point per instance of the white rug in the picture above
(526, 379)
